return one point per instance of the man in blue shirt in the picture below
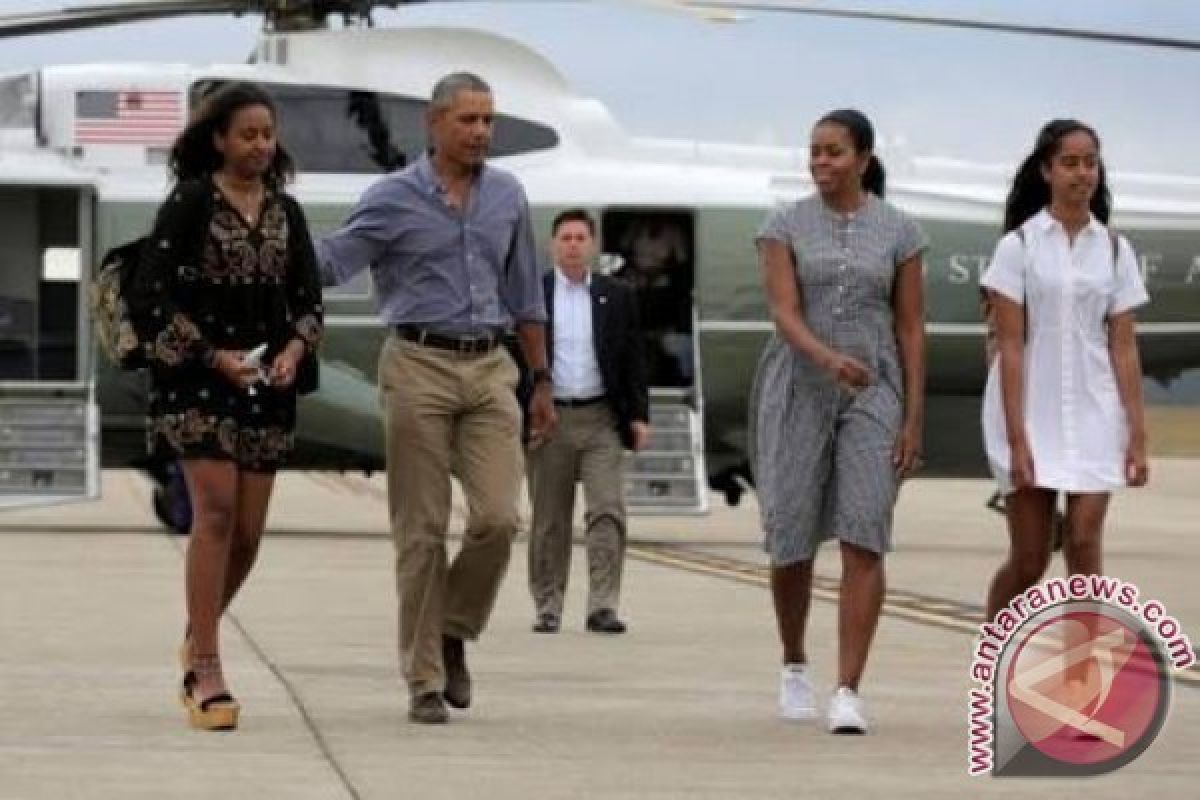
(450, 247)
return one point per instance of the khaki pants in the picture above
(586, 448)
(447, 410)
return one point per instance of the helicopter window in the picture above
(329, 129)
(60, 264)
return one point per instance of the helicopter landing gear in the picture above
(732, 482)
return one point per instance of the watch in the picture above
(541, 376)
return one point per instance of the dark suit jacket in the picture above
(617, 337)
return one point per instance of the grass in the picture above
(1174, 431)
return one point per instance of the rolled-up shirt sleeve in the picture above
(362, 239)
(522, 285)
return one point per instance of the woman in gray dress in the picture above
(836, 411)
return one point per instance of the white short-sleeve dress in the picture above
(1074, 420)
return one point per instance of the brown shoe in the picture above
(458, 680)
(428, 709)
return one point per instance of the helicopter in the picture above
(82, 169)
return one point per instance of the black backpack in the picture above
(114, 281)
(111, 320)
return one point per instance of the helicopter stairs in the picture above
(48, 443)
(668, 476)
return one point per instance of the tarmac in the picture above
(682, 706)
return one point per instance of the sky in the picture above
(764, 79)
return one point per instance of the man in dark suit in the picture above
(599, 387)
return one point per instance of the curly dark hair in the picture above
(194, 156)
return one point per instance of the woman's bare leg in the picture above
(860, 599)
(1083, 551)
(1084, 534)
(1030, 514)
(791, 589)
(254, 497)
(213, 486)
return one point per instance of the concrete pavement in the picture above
(682, 706)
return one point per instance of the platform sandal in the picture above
(217, 713)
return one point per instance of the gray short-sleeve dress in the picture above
(822, 456)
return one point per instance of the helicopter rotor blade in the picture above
(77, 17)
(1058, 31)
(278, 14)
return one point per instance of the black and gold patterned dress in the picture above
(208, 280)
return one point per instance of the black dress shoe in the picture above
(458, 680)
(428, 709)
(604, 621)
(546, 623)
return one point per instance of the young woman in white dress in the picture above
(1063, 408)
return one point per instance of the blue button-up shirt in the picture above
(470, 272)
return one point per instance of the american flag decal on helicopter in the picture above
(127, 117)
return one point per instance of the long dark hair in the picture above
(1030, 193)
(195, 156)
(862, 133)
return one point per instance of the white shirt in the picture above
(1074, 421)
(576, 372)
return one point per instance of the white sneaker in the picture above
(796, 699)
(846, 712)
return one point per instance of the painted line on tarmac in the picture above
(938, 612)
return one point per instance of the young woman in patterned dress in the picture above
(229, 266)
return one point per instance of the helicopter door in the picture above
(49, 423)
(657, 256)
